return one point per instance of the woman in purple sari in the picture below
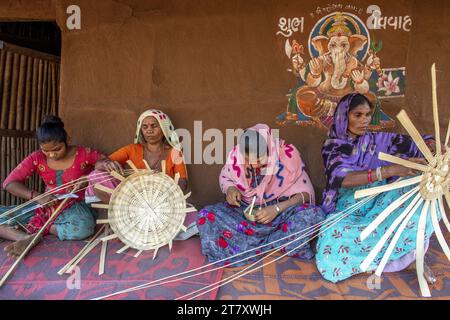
(350, 156)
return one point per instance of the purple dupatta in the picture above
(342, 154)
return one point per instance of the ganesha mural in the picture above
(341, 58)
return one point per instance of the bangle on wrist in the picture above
(277, 209)
(369, 176)
(379, 175)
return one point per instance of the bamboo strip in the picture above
(124, 248)
(163, 166)
(155, 253)
(63, 269)
(102, 221)
(437, 131)
(177, 177)
(101, 267)
(132, 165)
(420, 255)
(164, 280)
(117, 176)
(103, 188)
(442, 209)
(110, 237)
(82, 255)
(415, 135)
(374, 252)
(387, 187)
(138, 253)
(386, 212)
(100, 206)
(32, 243)
(447, 137)
(147, 165)
(406, 163)
(438, 231)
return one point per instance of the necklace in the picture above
(155, 165)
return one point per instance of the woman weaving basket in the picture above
(351, 162)
(272, 173)
(58, 164)
(155, 140)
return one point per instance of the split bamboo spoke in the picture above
(387, 187)
(437, 131)
(406, 163)
(438, 231)
(394, 240)
(415, 135)
(372, 255)
(420, 254)
(386, 212)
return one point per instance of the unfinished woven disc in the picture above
(147, 210)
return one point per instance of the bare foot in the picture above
(16, 248)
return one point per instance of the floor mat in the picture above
(291, 278)
(37, 277)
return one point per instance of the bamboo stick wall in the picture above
(29, 82)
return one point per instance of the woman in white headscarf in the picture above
(155, 140)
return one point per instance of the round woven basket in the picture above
(146, 210)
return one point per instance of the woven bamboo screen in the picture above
(29, 82)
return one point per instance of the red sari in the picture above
(83, 164)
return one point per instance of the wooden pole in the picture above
(21, 93)
(6, 91)
(34, 93)
(13, 98)
(27, 109)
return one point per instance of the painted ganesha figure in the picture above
(335, 72)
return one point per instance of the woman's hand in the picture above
(266, 215)
(234, 196)
(108, 165)
(401, 171)
(47, 201)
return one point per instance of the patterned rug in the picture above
(37, 277)
(291, 278)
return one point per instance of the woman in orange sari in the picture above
(155, 140)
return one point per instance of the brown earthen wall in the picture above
(218, 61)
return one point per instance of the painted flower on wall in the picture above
(388, 84)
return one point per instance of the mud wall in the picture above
(220, 62)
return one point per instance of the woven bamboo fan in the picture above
(430, 190)
(146, 210)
